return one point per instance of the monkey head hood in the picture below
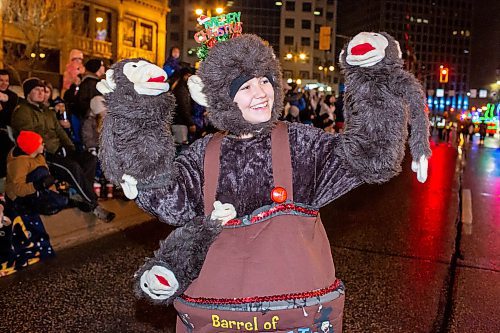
(243, 56)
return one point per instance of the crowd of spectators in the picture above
(48, 152)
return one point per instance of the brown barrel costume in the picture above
(271, 271)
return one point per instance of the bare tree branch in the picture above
(37, 21)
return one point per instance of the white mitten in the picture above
(420, 167)
(224, 212)
(107, 85)
(159, 283)
(195, 86)
(129, 186)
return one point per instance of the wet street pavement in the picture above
(394, 246)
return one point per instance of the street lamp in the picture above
(218, 11)
(294, 55)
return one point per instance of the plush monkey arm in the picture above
(136, 139)
(177, 262)
(375, 133)
(412, 91)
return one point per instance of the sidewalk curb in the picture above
(72, 227)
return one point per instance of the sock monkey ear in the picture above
(195, 86)
(107, 85)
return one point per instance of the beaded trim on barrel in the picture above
(264, 213)
(265, 303)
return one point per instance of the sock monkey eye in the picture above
(134, 65)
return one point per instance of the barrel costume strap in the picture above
(281, 159)
(211, 169)
(281, 164)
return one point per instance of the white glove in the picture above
(159, 283)
(107, 85)
(420, 167)
(129, 186)
(224, 212)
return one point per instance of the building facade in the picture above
(431, 34)
(292, 28)
(300, 51)
(108, 29)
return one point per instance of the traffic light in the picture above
(443, 74)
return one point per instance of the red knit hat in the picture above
(29, 141)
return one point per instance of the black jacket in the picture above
(7, 108)
(87, 91)
(183, 114)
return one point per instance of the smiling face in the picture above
(4, 82)
(255, 98)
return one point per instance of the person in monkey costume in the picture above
(254, 189)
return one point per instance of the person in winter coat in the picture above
(91, 125)
(172, 64)
(94, 70)
(328, 107)
(183, 119)
(483, 128)
(30, 186)
(264, 181)
(8, 102)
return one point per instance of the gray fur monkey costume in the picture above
(218, 275)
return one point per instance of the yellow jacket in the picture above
(18, 167)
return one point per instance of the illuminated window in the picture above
(129, 32)
(103, 25)
(146, 37)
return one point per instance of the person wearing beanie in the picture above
(62, 115)
(66, 164)
(268, 265)
(95, 66)
(29, 187)
(94, 70)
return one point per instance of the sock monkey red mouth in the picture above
(362, 49)
(157, 79)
